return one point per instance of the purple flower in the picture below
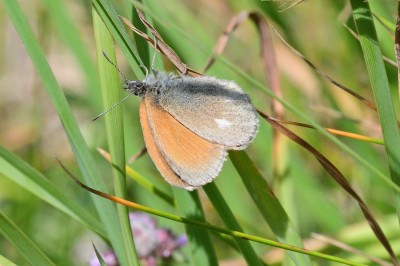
(145, 233)
(109, 258)
(151, 243)
(168, 243)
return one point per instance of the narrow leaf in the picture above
(23, 244)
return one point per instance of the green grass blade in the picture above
(27, 177)
(230, 221)
(99, 257)
(111, 94)
(201, 247)
(380, 86)
(117, 30)
(24, 245)
(86, 163)
(268, 204)
(141, 44)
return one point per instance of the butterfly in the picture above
(189, 124)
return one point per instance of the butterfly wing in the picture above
(217, 110)
(193, 159)
(162, 165)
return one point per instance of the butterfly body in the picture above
(189, 124)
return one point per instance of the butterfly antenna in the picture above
(112, 63)
(126, 80)
(112, 107)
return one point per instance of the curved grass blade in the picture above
(341, 180)
(23, 244)
(143, 182)
(326, 76)
(27, 177)
(333, 131)
(162, 47)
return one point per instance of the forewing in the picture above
(217, 110)
(195, 160)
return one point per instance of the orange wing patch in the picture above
(193, 159)
(161, 164)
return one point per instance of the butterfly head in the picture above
(136, 87)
